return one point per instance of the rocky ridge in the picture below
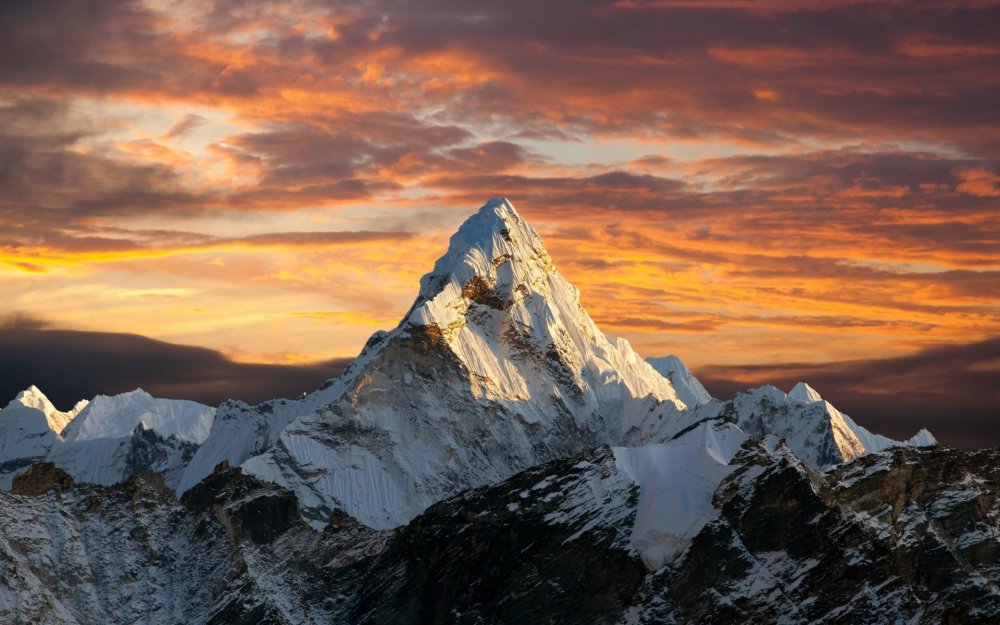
(903, 535)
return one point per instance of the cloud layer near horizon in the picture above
(736, 182)
(70, 365)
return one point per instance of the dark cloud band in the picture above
(71, 365)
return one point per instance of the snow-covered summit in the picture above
(117, 416)
(104, 440)
(26, 436)
(496, 298)
(804, 393)
(494, 250)
(688, 388)
(923, 438)
(33, 397)
(814, 428)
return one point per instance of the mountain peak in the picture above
(116, 416)
(494, 217)
(495, 368)
(500, 208)
(495, 258)
(496, 297)
(804, 393)
(33, 397)
(688, 388)
(923, 438)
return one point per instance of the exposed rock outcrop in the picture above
(40, 478)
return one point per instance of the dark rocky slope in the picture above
(904, 535)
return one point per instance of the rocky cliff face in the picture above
(234, 551)
(899, 536)
(41, 478)
(904, 535)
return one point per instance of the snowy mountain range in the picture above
(104, 440)
(495, 395)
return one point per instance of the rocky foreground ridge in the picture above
(903, 535)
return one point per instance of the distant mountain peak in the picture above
(102, 441)
(804, 393)
(923, 438)
(33, 397)
(116, 416)
(688, 388)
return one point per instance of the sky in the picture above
(213, 199)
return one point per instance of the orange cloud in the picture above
(978, 182)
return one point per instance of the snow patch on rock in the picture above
(676, 482)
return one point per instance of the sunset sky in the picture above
(769, 189)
